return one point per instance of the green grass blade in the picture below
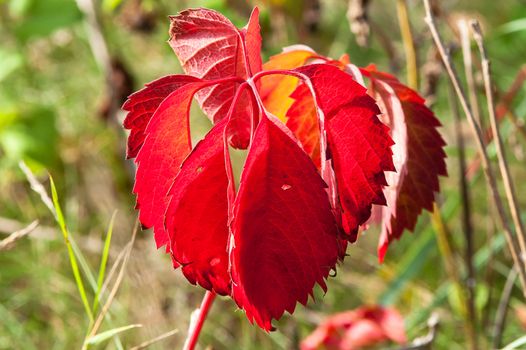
(83, 263)
(516, 343)
(417, 318)
(416, 257)
(72, 259)
(101, 337)
(513, 26)
(15, 330)
(103, 263)
(92, 283)
(419, 251)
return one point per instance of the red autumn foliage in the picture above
(356, 329)
(418, 153)
(316, 164)
(419, 156)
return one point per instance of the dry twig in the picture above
(425, 342)
(37, 187)
(9, 242)
(501, 155)
(468, 70)
(467, 226)
(488, 171)
(150, 342)
(500, 318)
(358, 22)
(431, 73)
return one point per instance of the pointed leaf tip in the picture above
(285, 235)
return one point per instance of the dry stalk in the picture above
(9, 242)
(475, 128)
(468, 69)
(501, 155)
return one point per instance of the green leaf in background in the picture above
(515, 344)
(17, 8)
(41, 18)
(31, 136)
(223, 7)
(418, 317)
(8, 114)
(11, 61)
(513, 26)
(109, 6)
(481, 299)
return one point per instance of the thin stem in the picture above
(446, 247)
(467, 225)
(150, 342)
(7, 243)
(264, 73)
(519, 125)
(114, 290)
(500, 318)
(503, 108)
(97, 41)
(468, 69)
(442, 232)
(490, 178)
(409, 44)
(501, 155)
(505, 102)
(446, 250)
(466, 202)
(195, 329)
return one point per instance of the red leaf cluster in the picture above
(317, 161)
(418, 154)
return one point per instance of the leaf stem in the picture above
(195, 328)
(264, 73)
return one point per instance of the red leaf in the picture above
(285, 236)
(196, 218)
(419, 156)
(350, 330)
(302, 120)
(142, 104)
(358, 143)
(252, 38)
(276, 89)
(210, 47)
(167, 143)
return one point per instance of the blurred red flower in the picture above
(355, 329)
